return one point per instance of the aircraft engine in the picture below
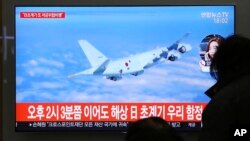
(174, 55)
(182, 48)
(172, 58)
(114, 78)
(138, 73)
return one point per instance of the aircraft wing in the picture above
(175, 45)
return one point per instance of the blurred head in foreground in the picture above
(231, 58)
(151, 129)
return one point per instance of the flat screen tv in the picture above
(100, 68)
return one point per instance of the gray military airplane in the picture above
(132, 65)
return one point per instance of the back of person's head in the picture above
(231, 58)
(151, 129)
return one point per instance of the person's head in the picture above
(151, 129)
(231, 58)
(212, 46)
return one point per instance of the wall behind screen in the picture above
(1, 74)
(8, 94)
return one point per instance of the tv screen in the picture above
(100, 68)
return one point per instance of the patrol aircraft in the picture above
(132, 65)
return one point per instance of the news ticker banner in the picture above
(95, 126)
(105, 112)
(39, 15)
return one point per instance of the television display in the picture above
(100, 68)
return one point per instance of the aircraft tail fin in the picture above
(95, 57)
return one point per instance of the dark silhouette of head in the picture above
(231, 59)
(151, 129)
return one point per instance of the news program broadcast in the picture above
(99, 68)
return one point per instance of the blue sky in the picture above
(47, 51)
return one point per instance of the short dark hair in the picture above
(231, 58)
(151, 129)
